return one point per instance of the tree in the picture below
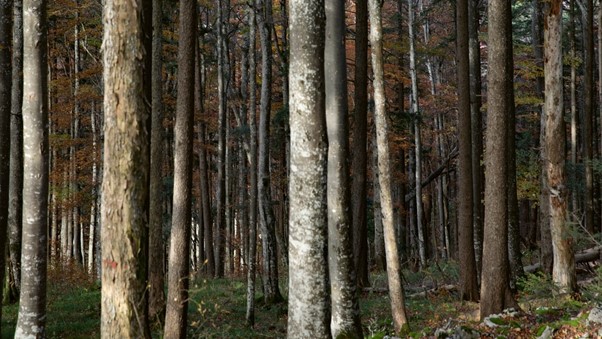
(468, 272)
(384, 172)
(271, 290)
(359, 141)
(125, 185)
(6, 14)
(345, 318)
(32, 303)
(220, 193)
(563, 272)
(179, 246)
(588, 109)
(495, 288)
(156, 271)
(309, 300)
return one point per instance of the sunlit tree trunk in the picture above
(563, 272)
(32, 303)
(309, 290)
(125, 184)
(179, 245)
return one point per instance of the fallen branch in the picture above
(587, 255)
(436, 173)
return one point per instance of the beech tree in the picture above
(309, 299)
(125, 185)
(31, 321)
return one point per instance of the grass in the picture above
(217, 310)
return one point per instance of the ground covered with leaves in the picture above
(217, 309)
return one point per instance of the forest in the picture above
(300, 168)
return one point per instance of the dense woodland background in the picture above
(316, 144)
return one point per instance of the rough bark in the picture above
(495, 288)
(563, 272)
(125, 187)
(400, 321)
(345, 312)
(309, 299)
(32, 304)
(156, 251)
(360, 138)
(6, 19)
(179, 246)
(468, 271)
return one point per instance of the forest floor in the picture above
(217, 309)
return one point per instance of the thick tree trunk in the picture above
(309, 290)
(495, 288)
(179, 246)
(468, 271)
(345, 318)
(384, 177)
(124, 263)
(563, 272)
(6, 19)
(32, 304)
(360, 137)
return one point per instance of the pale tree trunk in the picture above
(309, 290)
(468, 271)
(544, 206)
(474, 55)
(271, 290)
(125, 185)
(64, 222)
(221, 148)
(74, 139)
(15, 212)
(32, 304)
(360, 139)
(495, 288)
(92, 228)
(588, 121)
(563, 272)
(345, 312)
(379, 240)
(179, 246)
(400, 322)
(252, 246)
(156, 251)
(417, 140)
(6, 19)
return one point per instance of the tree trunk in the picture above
(345, 318)
(156, 250)
(32, 304)
(221, 161)
(271, 290)
(125, 185)
(468, 271)
(179, 246)
(495, 288)
(309, 299)
(563, 272)
(400, 321)
(588, 121)
(6, 19)
(360, 137)
(574, 118)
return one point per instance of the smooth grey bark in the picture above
(400, 321)
(359, 163)
(468, 270)
(93, 206)
(252, 246)
(309, 289)
(6, 19)
(124, 211)
(345, 312)
(15, 211)
(31, 321)
(563, 271)
(156, 252)
(495, 288)
(271, 290)
(179, 245)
